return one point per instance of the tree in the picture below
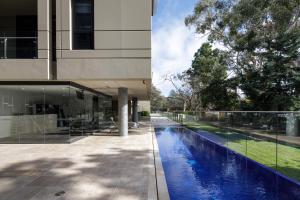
(157, 100)
(183, 97)
(176, 102)
(262, 40)
(209, 80)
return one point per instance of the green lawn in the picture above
(264, 152)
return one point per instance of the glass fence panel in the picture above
(288, 147)
(2, 48)
(270, 138)
(18, 47)
(21, 48)
(256, 132)
(261, 145)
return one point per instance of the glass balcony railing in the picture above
(18, 47)
(269, 138)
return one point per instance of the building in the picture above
(68, 66)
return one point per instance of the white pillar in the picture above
(123, 111)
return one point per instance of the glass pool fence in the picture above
(270, 138)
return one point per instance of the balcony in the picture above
(18, 29)
(18, 47)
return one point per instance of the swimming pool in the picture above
(196, 169)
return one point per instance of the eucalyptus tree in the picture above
(262, 39)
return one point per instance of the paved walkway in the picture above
(97, 167)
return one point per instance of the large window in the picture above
(47, 112)
(83, 24)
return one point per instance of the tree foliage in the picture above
(184, 97)
(209, 80)
(176, 101)
(262, 38)
(157, 100)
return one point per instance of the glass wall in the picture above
(50, 113)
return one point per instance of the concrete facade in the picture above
(120, 56)
(122, 47)
(40, 67)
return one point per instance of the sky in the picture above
(173, 44)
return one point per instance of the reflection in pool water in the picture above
(196, 168)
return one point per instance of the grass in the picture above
(264, 152)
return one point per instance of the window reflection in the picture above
(83, 24)
(50, 113)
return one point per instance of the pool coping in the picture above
(152, 187)
(162, 192)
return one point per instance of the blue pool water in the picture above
(196, 168)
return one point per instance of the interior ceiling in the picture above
(136, 88)
(18, 7)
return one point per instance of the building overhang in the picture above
(154, 7)
(51, 83)
(139, 88)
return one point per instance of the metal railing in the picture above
(270, 138)
(18, 47)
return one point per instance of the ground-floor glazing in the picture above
(51, 112)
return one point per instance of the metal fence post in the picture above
(5, 48)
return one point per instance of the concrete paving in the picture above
(96, 167)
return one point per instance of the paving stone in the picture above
(96, 167)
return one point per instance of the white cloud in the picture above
(173, 49)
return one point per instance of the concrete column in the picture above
(123, 111)
(135, 111)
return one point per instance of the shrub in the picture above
(145, 113)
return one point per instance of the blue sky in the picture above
(173, 44)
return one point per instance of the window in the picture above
(83, 24)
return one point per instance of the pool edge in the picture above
(161, 183)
